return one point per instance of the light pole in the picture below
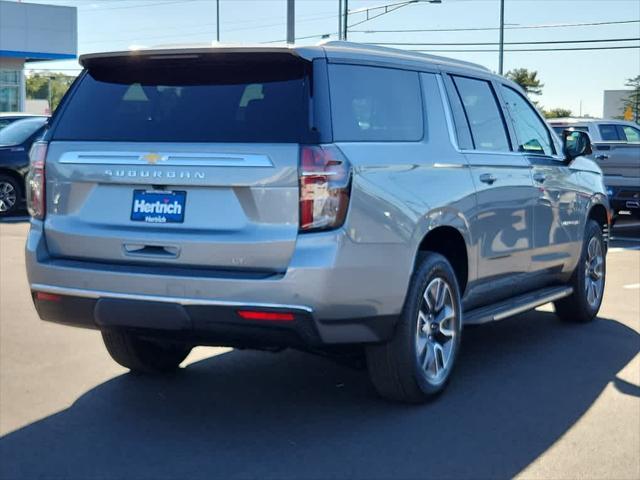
(50, 95)
(291, 21)
(339, 19)
(345, 20)
(218, 21)
(501, 60)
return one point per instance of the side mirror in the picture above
(575, 144)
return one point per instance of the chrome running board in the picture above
(516, 305)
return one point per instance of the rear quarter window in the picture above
(375, 104)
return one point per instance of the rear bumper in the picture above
(338, 292)
(625, 198)
(191, 323)
(623, 192)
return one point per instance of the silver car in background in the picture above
(616, 148)
(335, 198)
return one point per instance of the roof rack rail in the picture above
(367, 48)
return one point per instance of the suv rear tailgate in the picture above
(217, 139)
(241, 216)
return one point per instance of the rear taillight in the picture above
(36, 180)
(325, 187)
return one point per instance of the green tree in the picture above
(632, 101)
(38, 85)
(558, 113)
(527, 79)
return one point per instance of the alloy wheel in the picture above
(594, 272)
(437, 330)
(8, 197)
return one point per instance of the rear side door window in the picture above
(532, 134)
(609, 133)
(375, 104)
(483, 114)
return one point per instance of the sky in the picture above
(572, 79)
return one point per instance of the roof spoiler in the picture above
(168, 53)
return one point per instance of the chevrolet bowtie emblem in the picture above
(152, 158)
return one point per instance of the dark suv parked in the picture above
(325, 198)
(15, 142)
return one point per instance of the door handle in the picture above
(488, 178)
(539, 177)
(602, 156)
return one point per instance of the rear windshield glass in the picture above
(560, 129)
(189, 101)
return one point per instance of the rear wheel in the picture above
(144, 356)
(10, 194)
(587, 280)
(417, 362)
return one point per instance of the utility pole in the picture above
(501, 61)
(339, 19)
(217, 20)
(345, 20)
(291, 21)
(50, 95)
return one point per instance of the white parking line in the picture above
(624, 239)
(627, 225)
(622, 249)
(632, 286)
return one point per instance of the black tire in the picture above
(10, 188)
(395, 367)
(577, 307)
(144, 356)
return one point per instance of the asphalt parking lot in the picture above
(532, 397)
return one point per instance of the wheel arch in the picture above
(452, 243)
(601, 213)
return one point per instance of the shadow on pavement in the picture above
(519, 386)
(17, 217)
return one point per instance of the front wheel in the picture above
(417, 362)
(144, 356)
(587, 280)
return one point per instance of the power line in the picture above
(471, 29)
(392, 7)
(624, 47)
(544, 42)
(150, 4)
(306, 37)
(511, 27)
(207, 31)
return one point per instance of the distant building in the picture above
(614, 103)
(32, 32)
(37, 106)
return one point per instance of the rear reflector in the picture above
(266, 316)
(48, 297)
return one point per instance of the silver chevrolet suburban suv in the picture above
(329, 198)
